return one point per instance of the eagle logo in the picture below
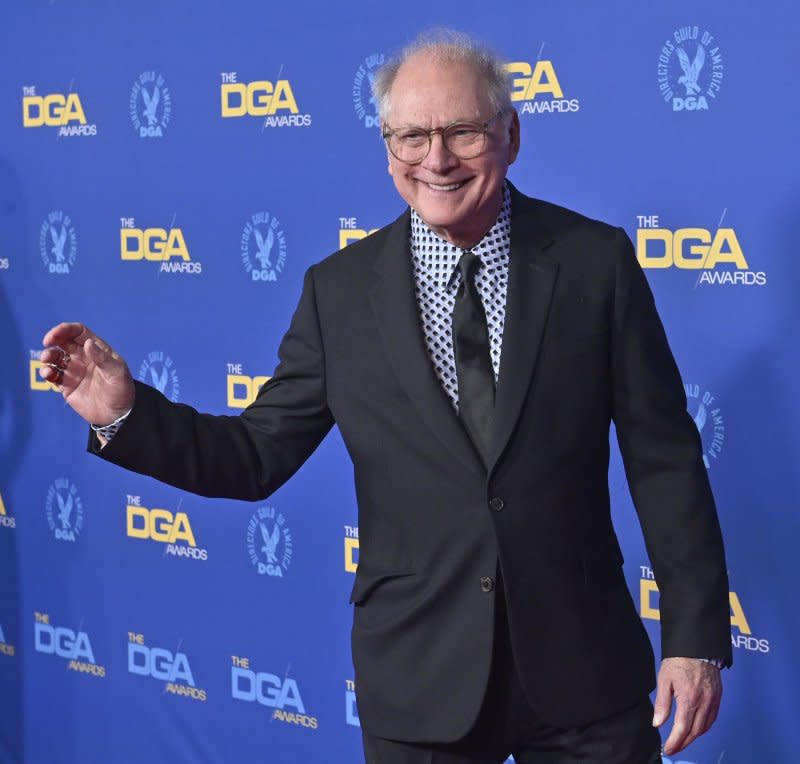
(264, 247)
(373, 98)
(59, 239)
(64, 510)
(271, 540)
(150, 104)
(691, 70)
(159, 380)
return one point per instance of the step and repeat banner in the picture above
(168, 171)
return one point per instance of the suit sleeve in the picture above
(239, 457)
(662, 454)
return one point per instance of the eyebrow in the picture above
(460, 120)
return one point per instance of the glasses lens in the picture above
(465, 139)
(409, 145)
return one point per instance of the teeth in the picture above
(449, 187)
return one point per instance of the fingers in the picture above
(55, 357)
(97, 351)
(662, 708)
(58, 367)
(681, 733)
(76, 339)
(66, 333)
(52, 374)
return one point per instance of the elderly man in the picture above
(473, 353)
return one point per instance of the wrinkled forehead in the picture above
(431, 92)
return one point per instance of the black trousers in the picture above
(507, 725)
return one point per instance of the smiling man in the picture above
(456, 191)
(474, 354)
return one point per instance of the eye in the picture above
(464, 132)
(412, 137)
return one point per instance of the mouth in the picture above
(444, 187)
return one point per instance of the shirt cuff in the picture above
(108, 431)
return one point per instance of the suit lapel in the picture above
(397, 315)
(531, 278)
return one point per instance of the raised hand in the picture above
(94, 380)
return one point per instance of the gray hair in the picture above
(447, 46)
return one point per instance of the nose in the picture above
(439, 159)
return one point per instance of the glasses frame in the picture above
(482, 126)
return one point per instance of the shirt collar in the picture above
(437, 257)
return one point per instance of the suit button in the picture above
(487, 584)
(496, 503)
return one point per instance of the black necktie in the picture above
(473, 362)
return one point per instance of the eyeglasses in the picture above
(411, 145)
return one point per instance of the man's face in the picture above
(457, 198)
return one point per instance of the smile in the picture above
(445, 186)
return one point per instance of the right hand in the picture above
(94, 380)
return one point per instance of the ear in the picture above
(513, 137)
(388, 153)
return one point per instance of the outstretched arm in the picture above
(242, 457)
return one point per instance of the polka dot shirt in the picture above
(436, 281)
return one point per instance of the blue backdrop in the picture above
(167, 173)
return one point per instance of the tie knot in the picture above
(469, 265)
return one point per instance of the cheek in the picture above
(494, 171)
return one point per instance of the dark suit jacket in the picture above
(582, 346)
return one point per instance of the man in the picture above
(484, 341)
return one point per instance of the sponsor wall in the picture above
(167, 174)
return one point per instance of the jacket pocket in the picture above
(368, 581)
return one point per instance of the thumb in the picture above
(663, 705)
(97, 355)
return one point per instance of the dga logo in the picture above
(5, 647)
(350, 232)
(150, 105)
(159, 371)
(64, 510)
(55, 110)
(741, 633)
(351, 548)
(163, 526)
(709, 421)
(350, 707)
(717, 255)
(241, 388)
(282, 695)
(690, 69)
(5, 264)
(269, 542)
(156, 245)
(163, 665)
(275, 102)
(539, 88)
(58, 244)
(72, 645)
(364, 100)
(5, 520)
(263, 247)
